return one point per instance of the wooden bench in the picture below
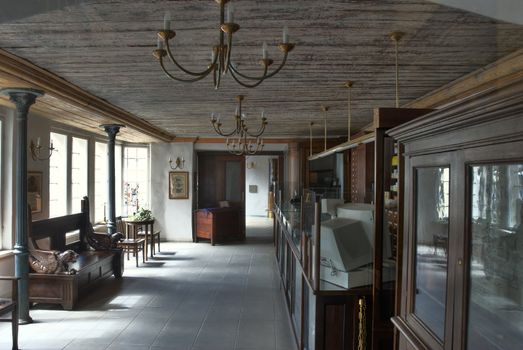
(98, 258)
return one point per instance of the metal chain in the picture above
(362, 331)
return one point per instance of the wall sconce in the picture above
(251, 165)
(36, 150)
(179, 163)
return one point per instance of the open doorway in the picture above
(260, 173)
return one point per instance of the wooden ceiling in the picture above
(105, 47)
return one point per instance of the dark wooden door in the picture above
(221, 177)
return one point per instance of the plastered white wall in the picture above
(173, 216)
(257, 203)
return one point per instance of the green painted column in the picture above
(23, 99)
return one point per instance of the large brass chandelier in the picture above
(240, 141)
(221, 62)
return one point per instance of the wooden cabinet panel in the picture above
(362, 173)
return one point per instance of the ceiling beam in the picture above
(15, 68)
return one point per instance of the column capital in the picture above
(112, 129)
(23, 98)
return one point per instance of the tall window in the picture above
(118, 180)
(58, 176)
(100, 180)
(78, 173)
(136, 179)
(1, 181)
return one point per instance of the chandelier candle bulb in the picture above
(159, 44)
(264, 50)
(37, 142)
(285, 35)
(167, 21)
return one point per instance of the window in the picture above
(136, 179)
(100, 181)
(118, 180)
(1, 182)
(443, 194)
(78, 173)
(58, 176)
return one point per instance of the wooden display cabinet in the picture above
(462, 261)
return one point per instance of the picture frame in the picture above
(178, 185)
(34, 191)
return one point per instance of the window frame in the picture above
(148, 171)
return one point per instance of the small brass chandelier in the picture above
(241, 142)
(221, 54)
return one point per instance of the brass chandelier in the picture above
(240, 141)
(221, 54)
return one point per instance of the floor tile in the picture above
(195, 297)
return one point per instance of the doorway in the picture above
(261, 172)
(220, 183)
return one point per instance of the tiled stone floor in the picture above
(190, 297)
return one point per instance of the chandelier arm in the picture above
(233, 74)
(228, 54)
(204, 73)
(179, 79)
(284, 60)
(233, 150)
(218, 74)
(231, 66)
(216, 85)
(221, 133)
(260, 131)
(265, 76)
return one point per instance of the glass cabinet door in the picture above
(495, 293)
(431, 247)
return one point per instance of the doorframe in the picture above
(196, 171)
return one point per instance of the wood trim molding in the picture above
(489, 105)
(499, 73)
(20, 70)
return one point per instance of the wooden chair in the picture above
(134, 245)
(153, 237)
(11, 306)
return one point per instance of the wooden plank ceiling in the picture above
(105, 48)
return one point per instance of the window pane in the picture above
(100, 180)
(495, 311)
(136, 179)
(432, 229)
(58, 176)
(1, 181)
(118, 181)
(78, 173)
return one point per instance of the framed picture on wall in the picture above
(34, 191)
(178, 185)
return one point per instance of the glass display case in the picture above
(324, 315)
(463, 264)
